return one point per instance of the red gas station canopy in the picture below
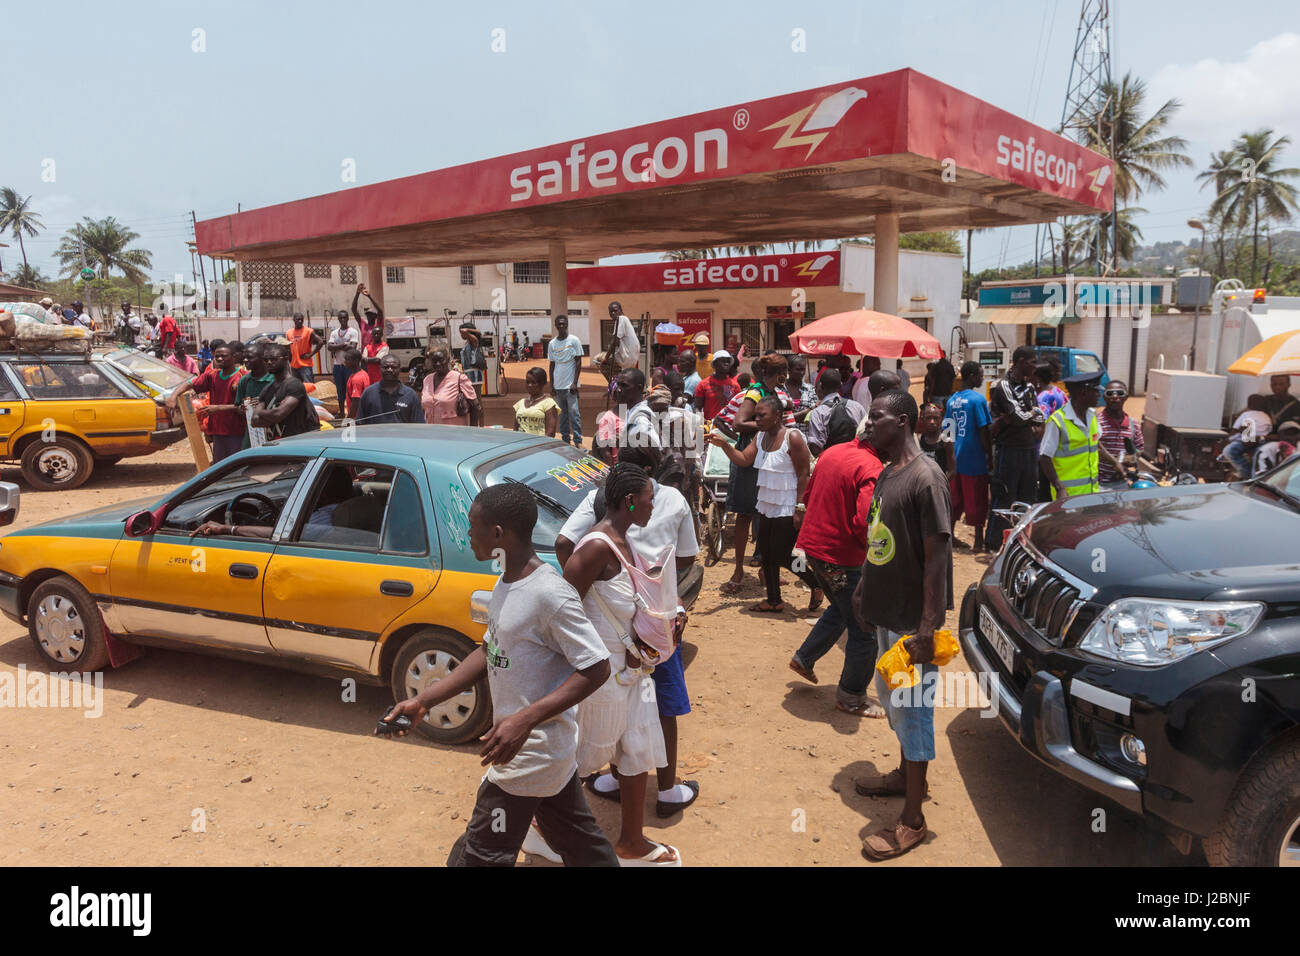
(820, 164)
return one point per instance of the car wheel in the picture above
(428, 656)
(58, 465)
(65, 625)
(714, 527)
(1262, 824)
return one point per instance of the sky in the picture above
(201, 106)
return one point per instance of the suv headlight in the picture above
(1151, 632)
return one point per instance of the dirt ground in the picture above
(198, 760)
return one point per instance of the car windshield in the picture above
(1286, 479)
(153, 370)
(559, 476)
(269, 479)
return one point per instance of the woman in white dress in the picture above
(619, 724)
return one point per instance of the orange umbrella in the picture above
(864, 332)
(1276, 355)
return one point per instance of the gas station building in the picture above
(884, 155)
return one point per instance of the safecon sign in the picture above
(750, 272)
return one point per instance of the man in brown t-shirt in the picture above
(905, 588)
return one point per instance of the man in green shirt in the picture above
(252, 384)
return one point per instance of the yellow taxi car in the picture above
(352, 559)
(64, 414)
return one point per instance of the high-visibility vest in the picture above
(1077, 457)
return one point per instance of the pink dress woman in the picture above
(439, 402)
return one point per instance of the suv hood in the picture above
(1193, 542)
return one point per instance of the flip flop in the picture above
(731, 587)
(815, 599)
(759, 609)
(615, 795)
(655, 857)
(893, 841)
(665, 809)
(803, 672)
(874, 711)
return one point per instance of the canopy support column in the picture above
(374, 284)
(559, 281)
(886, 264)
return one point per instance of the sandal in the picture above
(815, 600)
(892, 842)
(874, 711)
(803, 672)
(762, 607)
(731, 587)
(892, 784)
(665, 809)
(655, 857)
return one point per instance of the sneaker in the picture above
(536, 844)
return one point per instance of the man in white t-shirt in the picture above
(670, 523)
(341, 340)
(564, 352)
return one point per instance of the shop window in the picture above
(394, 275)
(466, 275)
(746, 332)
(537, 273)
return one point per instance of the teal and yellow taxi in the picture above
(352, 559)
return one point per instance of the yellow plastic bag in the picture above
(895, 665)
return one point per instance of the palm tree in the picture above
(17, 217)
(1073, 242)
(1250, 185)
(105, 242)
(1142, 151)
(1098, 232)
(28, 276)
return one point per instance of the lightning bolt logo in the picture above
(788, 137)
(1099, 176)
(816, 120)
(813, 267)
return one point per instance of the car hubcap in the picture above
(1290, 853)
(429, 666)
(57, 464)
(60, 629)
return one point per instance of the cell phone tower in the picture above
(1085, 100)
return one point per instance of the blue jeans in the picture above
(570, 416)
(838, 583)
(340, 386)
(1241, 457)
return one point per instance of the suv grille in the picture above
(1042, 598)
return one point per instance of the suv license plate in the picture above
(998, 638)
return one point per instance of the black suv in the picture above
(1146, 644)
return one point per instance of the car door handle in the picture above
(396, 588)
(248, 571)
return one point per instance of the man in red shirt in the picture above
(226, 421)
(832, 528)
(358, 380)
(167, 332)
(304, 343)
(713, 393)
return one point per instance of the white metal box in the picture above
(1184, 399)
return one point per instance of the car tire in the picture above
(58, 465)
(65, 625)
(714, 528)
(1261, 826)
(426, 656)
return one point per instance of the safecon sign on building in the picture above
(749, 272)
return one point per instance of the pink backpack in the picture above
(654, 584)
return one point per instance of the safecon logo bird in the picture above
(1099, 176)
(801, 129)
(813, 267)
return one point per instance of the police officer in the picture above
(1071, 452)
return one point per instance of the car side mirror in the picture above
(140, 524)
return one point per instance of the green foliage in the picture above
(104, 244)
(931, 242)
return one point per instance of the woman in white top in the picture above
(619, 724)
(781, 456)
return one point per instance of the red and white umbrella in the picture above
(864, 332)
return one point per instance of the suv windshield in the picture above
(1286, 478)
(560, 477)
